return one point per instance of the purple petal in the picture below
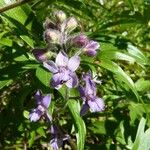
(46, 100)
(73, 63)
(73, 81)
(90, 88)
(54, 129)
(91, 52)
(56, 81)
(82, 92)
(93, 45)
(96, 105)
(61, 59)
(65, 75)
(84, 109)
(35, 115)
(91, 48)
(51, 66)
(54, 144)
(38, 96)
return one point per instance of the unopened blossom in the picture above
(57, 137)
(63, 70)
(60, 16)
(41, 54)
(80, 40)
(91, 48)
(89, 97)
(88, 46)
(69, 24)
(48, 24)
(52, 36)
(43, 103)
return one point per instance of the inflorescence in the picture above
(60, 40)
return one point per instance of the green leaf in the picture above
(140, 58)
(145, 141)
(5, 83)
(143, 85)
(17, 18)
(41, 131)
(6, 42)
(139, 134)
(112, 53)
(120, 134)
(136, 111)
(120, 74)
(43, 75)
(78, 122)
(26, 114)
(32, 138)
(98, 127)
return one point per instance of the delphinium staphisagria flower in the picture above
(42, 103)
(62, 57)
(88, 94)
(57, 137)
(63, 70)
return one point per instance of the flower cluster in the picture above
(67, 48)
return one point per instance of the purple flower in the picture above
(88, 95)
(63, 70)
(57, 137)
(43, 103)
(91, 48)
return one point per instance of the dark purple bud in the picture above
(80, 40)
(41, 54)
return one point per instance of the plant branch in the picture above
(11, 6)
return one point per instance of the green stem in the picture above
(71, 142)
(11, 6)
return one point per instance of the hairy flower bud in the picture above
(60, 16)
(52, 36)
(48, 24)
(80, 40)
(41, 54)
(69, 24)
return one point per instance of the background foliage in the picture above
(123, 29)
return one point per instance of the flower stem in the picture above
(71, 142)
(11, 6)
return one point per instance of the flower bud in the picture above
(41, 54)
(52, 36)
(91, 48)
(60, 16)
(48, 24)
(80, 40)
(70, 24)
